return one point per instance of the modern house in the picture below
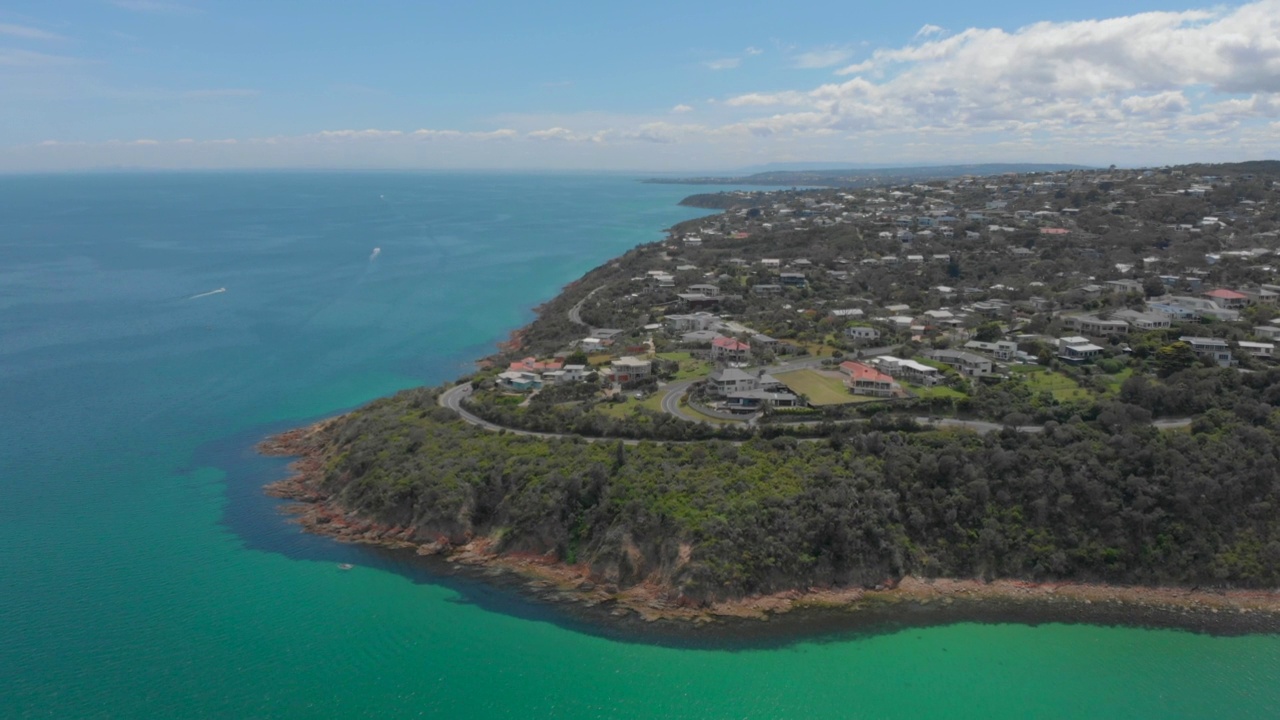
(1095, 326)
(691, 322)
(520, 381)
(1258, 349)
(1214, 349)
(628, 369)
(908, 370)
(862, 333)
(1077, 349)
(966, 363)
(730, 380)
(1143, 320)
(789, 279)
(1002, 350)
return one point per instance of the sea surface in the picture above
(143, 574)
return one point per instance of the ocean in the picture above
(153, 327)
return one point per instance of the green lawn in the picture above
(624, 409)
(823, 387)
(1063, 388)
(1115, 381)
(690, 367)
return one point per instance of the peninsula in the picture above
(1050, 389)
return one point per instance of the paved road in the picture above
(575, 312)
(453, 397)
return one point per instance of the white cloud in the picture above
(929, 30)
(1132, 74)
(27, 33)
(682, 108)
(753, 50)
(724, 63)
(822, 58)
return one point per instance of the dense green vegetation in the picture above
(1114, 500)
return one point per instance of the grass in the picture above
(1063, 388)
(690, 367)
(623, 409)
(822, 387)
(937, 391)
(1115, 381)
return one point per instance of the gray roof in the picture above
(731, 375)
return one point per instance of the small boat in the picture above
(345, 566)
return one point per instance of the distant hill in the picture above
(866, 177)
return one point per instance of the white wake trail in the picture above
(207, 294)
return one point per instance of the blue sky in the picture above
(652, 86)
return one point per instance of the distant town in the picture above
(790, 304)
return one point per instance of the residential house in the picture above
(689, 323)
(861, 333)
(1258, 349)
(1259, 295)
(1095, 326)
(724, 381)
(1077, 349)
(1269, 332)
(705, 289)
(966, 363)
(520, 381)
(766, 289)
(726, 349)
(1124, 286)
(567, 374)
(1229, 299)
(628, 369)
(1002, 350)
(790, 279)
(1214, 349)
(756, 399)
(700, 337)
(908, 370)
(1143, 320)
(866, 380)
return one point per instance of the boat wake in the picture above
(207, 294)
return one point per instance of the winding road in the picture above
(575, 312)
(453, 397)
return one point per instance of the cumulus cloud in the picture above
(929, 31)
(723, 63)
(1112, 75)
(682, 108)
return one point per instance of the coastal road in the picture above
(453, 397)
(575, 312)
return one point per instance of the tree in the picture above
(1174, 357)
(1153, 286)
(988, 332)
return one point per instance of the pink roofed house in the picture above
(730, 349)
(866, 380)
(1228, 298)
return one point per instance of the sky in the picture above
(656, 86)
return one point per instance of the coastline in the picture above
(910, 601)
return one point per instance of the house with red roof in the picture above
(1228, 298)
(729, 349)
(866, 380)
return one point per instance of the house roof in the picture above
(864, 373)
(730, 375)
(728, 343)
(1224, 294)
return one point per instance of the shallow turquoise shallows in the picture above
(153, 326)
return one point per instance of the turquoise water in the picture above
(143, 575)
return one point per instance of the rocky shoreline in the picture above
(908, 601)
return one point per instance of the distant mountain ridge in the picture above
(865, 176)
